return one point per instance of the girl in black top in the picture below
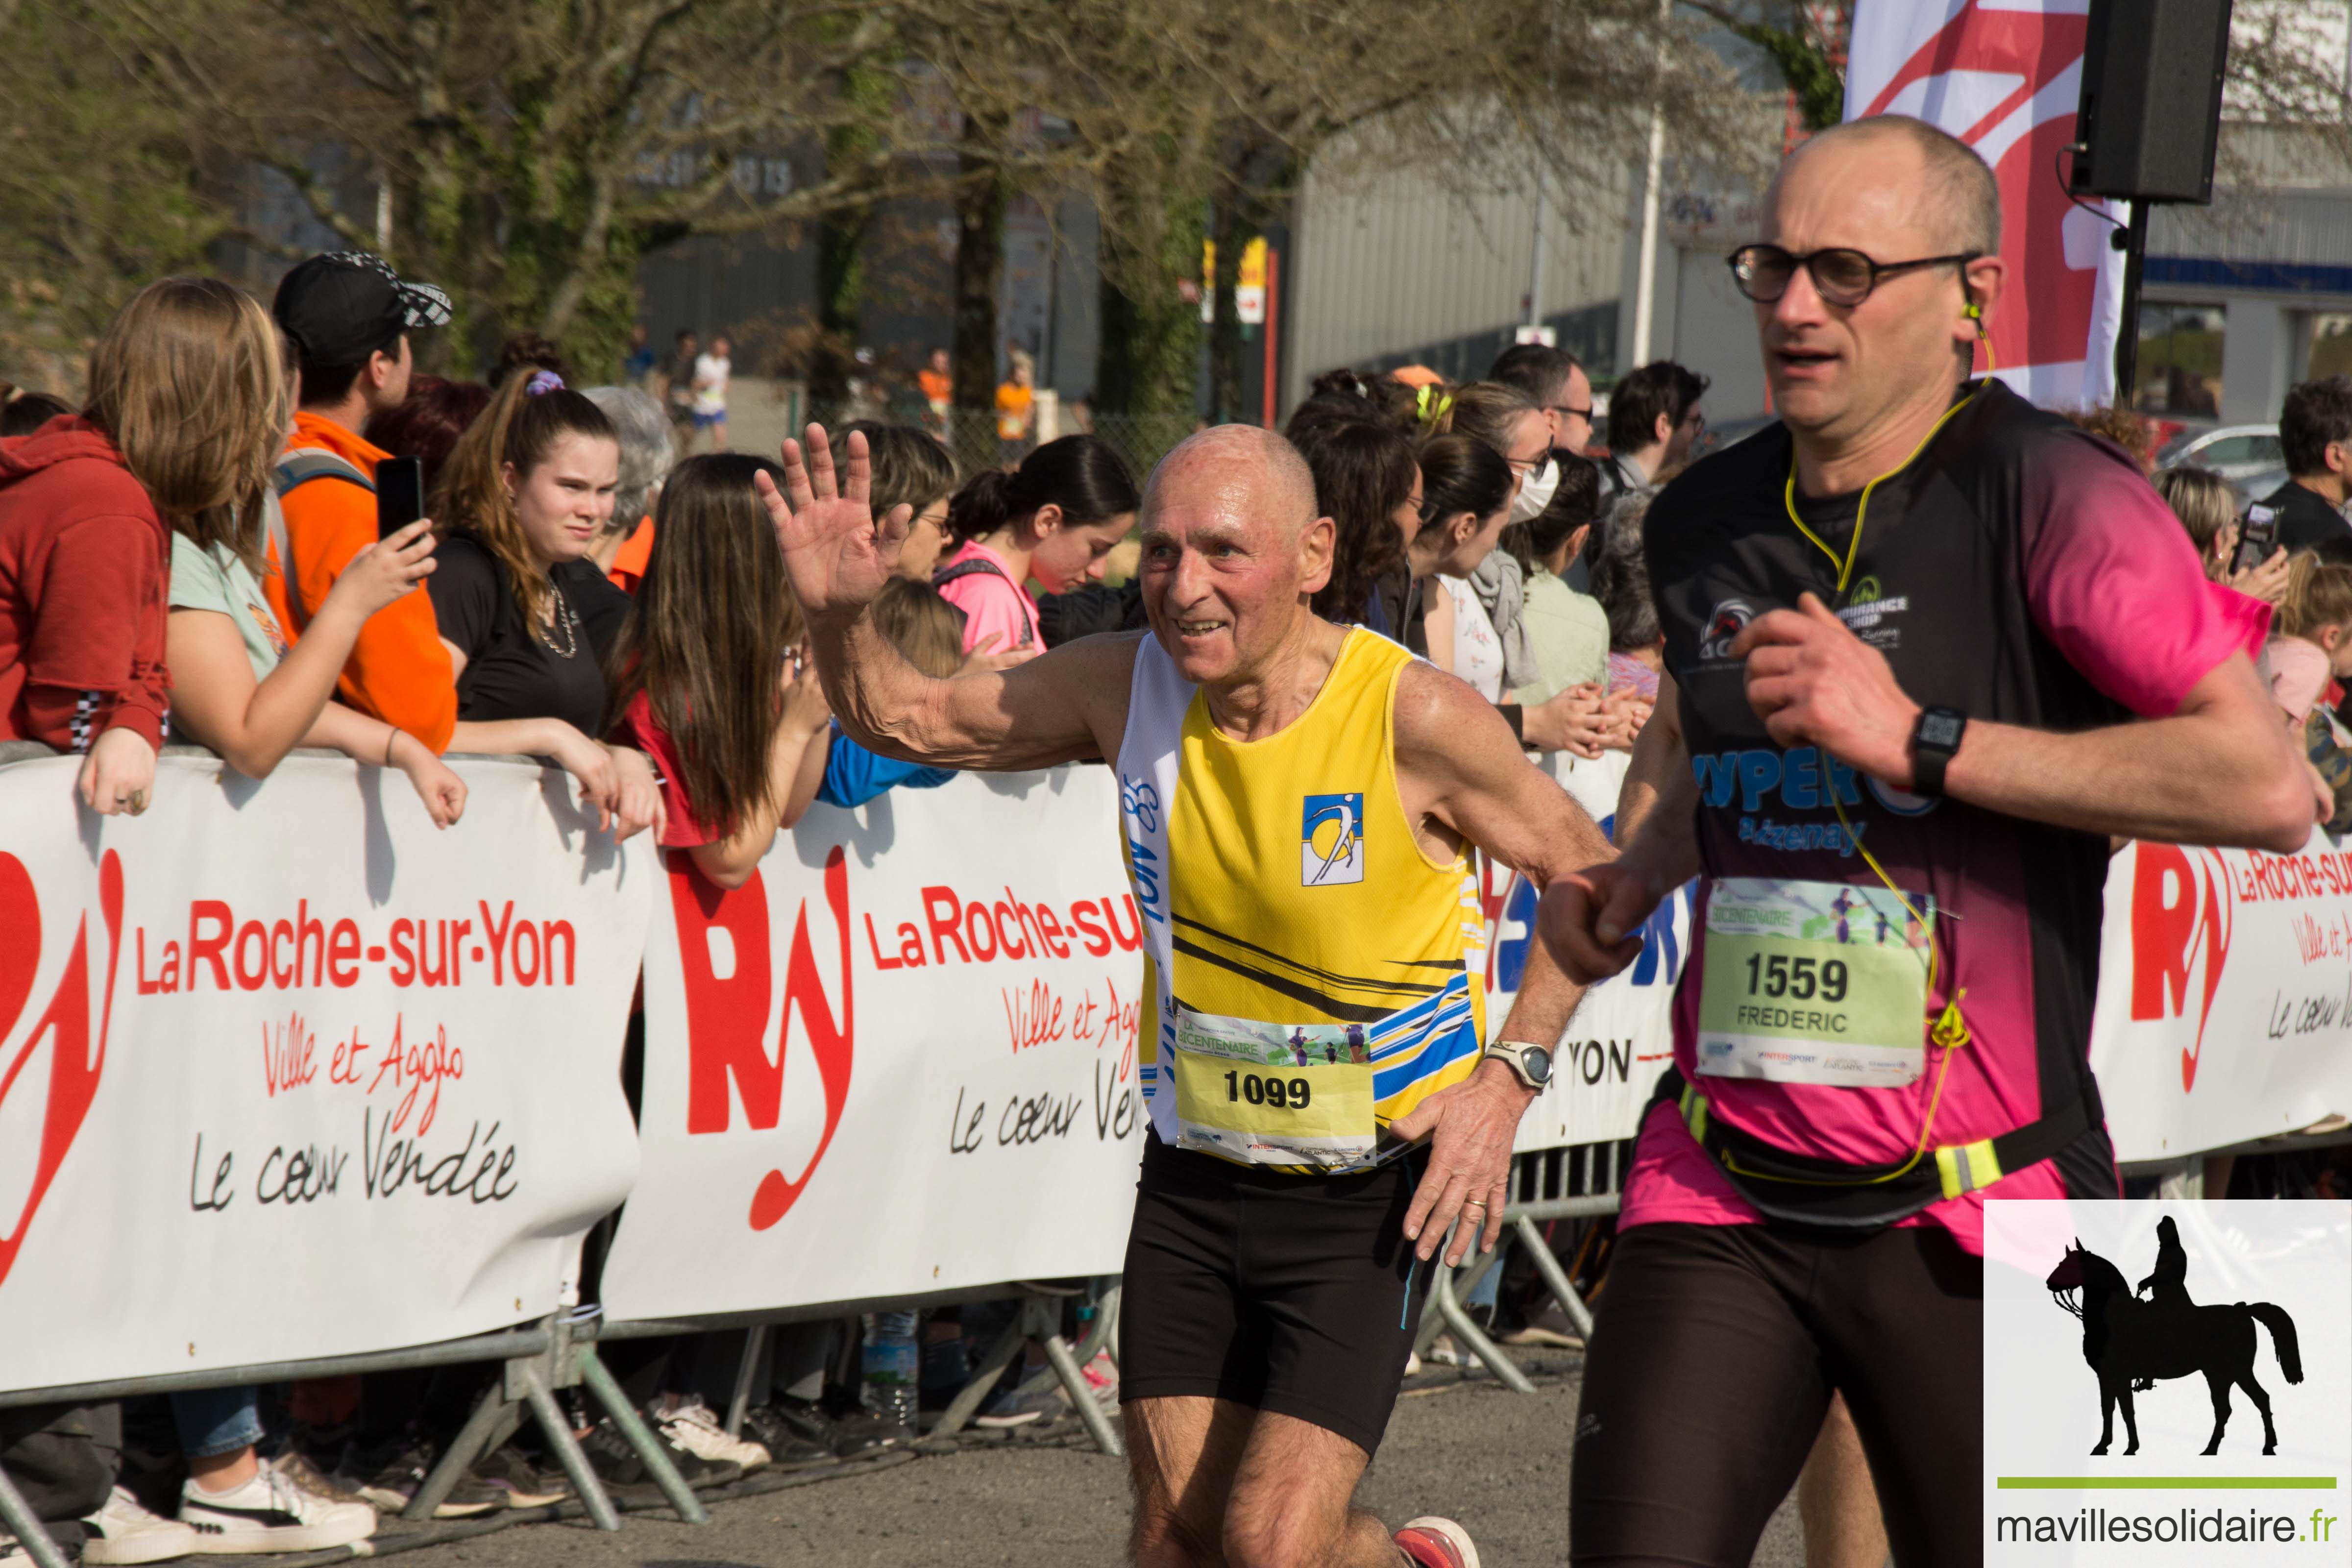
(526, 492)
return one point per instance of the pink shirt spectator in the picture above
(992, 601)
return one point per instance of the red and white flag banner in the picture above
(2005, 77)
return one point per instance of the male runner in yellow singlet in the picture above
(1297, 800)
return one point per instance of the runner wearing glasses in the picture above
(1927, 648)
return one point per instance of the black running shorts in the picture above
(1293, 1294)
(1714, 1353)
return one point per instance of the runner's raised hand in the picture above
(837, 556)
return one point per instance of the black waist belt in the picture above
(1826, 1193)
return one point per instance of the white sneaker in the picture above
(270, 1513)
(124, 1532)
(694, 1426)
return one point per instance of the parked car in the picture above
(2246, 455)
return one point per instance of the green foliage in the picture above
(99, 193)
(1798, 51)
(1806, 67)
(1151, 332)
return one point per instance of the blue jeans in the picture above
(214, 1421)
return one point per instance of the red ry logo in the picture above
(63, 1028)
(727, 1037)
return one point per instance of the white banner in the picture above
(2006, 77)
(286, 1072)
(2225, 995)
(902, 1058)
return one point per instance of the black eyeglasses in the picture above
(1841, 276)
(1583, 413)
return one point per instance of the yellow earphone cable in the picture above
(1976, 314)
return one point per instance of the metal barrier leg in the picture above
(1432, 1322)
(1106, 1312)
(755, 1343)
(567, 1449)
(1472, 1337)
(966, 1403)
(18, 1515)
(1098, 1333)
(1555, 1277)
(641, 1437)
(508, 1423)
(1074, 1383)
(472, 1441)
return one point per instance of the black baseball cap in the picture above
(341, 307)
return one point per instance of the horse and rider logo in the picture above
(2132, 1343)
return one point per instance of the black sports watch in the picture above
(1935, 741)
(1531, 1063)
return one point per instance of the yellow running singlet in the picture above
(1312, 974)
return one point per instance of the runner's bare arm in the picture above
(1068, 705)
(1459, 766)
(1586, 917)
(2219, 769)
(1658, 762)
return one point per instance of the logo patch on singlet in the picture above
(1723, 625)
(1865, 613)
(1331, 840)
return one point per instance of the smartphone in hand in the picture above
(399, 494)
(2256, 538)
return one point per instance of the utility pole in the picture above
(1532, 307)
(1645, 287)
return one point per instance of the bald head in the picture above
(1958, 202)
(1261, 475)
(1233, 553)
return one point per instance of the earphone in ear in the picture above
(1975, 314)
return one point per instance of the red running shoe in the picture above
(1434, 1542)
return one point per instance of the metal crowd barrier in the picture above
(560, 1352)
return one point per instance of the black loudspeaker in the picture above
(2151, 107)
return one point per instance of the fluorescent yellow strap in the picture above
(1695, 1113)
(1965, 1167)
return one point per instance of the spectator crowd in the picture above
(196, 552)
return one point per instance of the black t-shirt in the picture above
(2307, 522)
(509, 673)
(600, 606)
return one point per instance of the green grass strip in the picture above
(2168, 1483)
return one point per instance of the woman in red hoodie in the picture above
(85, 558)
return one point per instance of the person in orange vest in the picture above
(349, 315)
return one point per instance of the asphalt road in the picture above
(1495, 1460)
